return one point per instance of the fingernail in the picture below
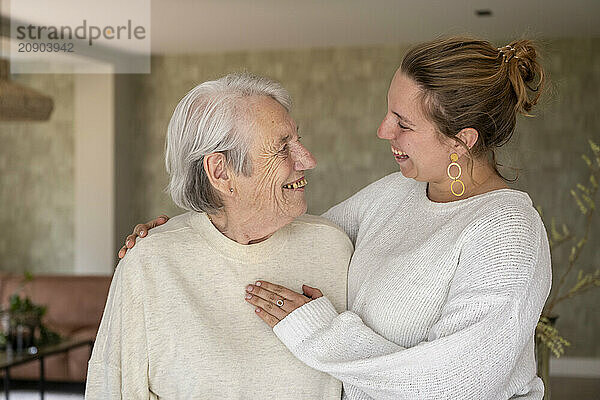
(249, 288)
(128, 243)
(248, 296)
(257, 310)
(257, 283)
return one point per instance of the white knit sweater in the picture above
(443, 298)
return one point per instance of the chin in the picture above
(294, 206)
(297, 210)
(411, 175)
(304, 209)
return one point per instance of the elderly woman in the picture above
(174, 325)
(451, 268)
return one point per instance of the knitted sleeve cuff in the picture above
(304, 321)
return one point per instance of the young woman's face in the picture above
(421, 152)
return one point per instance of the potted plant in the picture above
(25, 321)
(548, 340)
(24, 329)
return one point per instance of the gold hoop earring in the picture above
(455, 179)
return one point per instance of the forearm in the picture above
(471, 364)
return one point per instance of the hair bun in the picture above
(525, 56)
(523, 70)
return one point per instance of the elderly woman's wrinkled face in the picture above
(275, 190)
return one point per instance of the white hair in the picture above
(208, 120)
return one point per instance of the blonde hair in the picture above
(468, 83)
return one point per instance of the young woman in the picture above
(451, 268)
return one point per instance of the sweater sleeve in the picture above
(473, 351)
(118, 368)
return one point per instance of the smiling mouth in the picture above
(300, 183)
(399, 155)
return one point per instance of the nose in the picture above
(303, 159)
(385, 131)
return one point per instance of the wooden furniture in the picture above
(10, 359)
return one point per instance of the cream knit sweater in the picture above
(443, 297)
(176, 325)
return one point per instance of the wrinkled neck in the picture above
(245, 229)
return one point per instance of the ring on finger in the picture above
(279, 303)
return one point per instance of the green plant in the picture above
(23, 310)
(20, 306)
(584, 198)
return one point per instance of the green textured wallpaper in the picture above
(36, 184)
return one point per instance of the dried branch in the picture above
(584, 199)
(550, 337)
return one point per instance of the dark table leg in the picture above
(42, 378)
(6, 382)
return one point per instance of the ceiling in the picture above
(196, 26)
(183, 26)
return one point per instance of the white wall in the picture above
(94, 174)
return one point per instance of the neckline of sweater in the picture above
(245, 253)
(420, 190)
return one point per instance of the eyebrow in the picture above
(403, 118)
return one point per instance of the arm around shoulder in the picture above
(482, 344)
